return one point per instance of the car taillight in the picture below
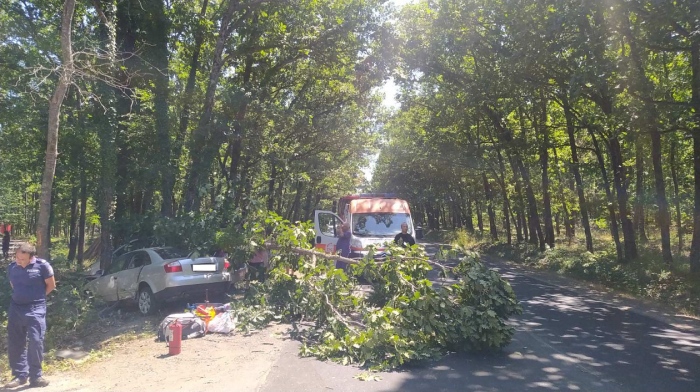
(226, 264)
(173, 266)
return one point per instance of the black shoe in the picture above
(39, 382)
(17, 381)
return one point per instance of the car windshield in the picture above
(171, 253)
(379, 224)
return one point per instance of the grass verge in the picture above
(647, 277)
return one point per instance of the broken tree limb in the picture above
(313, 253)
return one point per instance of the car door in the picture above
(128, 277)
(327, 227)
(105, 286)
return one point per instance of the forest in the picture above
(539, 121)
(171, 121)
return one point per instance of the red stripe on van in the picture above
(379, 205)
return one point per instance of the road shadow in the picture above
(568, 342)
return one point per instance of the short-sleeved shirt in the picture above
(28, 284)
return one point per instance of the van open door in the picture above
(327, 227)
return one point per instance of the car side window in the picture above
(139, 260)
(118, 264)
(328, 225)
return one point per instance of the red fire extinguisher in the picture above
(174, 338)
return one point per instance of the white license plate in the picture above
(204, 268)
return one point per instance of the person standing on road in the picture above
(6, 245)
(32, 279)
(403, 238)
(343, 245)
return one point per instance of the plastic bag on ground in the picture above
(224, 322)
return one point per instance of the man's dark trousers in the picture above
(26, 323)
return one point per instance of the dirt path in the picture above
(211, 363)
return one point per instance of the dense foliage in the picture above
(185, 114)
(184, 122)
(403, 317)
(537, 121)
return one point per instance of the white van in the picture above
(373, 218)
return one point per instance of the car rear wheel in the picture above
(147, 301)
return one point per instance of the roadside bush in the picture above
(404, 318)
(70, 311)
(645, 277)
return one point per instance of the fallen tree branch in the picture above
(309, 252)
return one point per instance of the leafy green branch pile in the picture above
(405, 318)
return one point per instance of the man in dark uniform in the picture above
(403, 238)
(32, 280)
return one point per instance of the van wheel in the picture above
(147, 301)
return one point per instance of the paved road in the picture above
(569, 338)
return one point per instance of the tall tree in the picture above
(64, 81)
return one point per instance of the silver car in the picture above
(153, 275)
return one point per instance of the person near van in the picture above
(6, 244)
(259, 264)
(31, 279)
(342, 246)
(403, 238)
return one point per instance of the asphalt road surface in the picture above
(569, 338)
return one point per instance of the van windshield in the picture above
(379, 224)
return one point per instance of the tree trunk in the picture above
(663, 219)
(620, 180)
(236, 145)
(73, 224)
(506, 219)
(479, 218)
(82, 220)
(106, 124)
(695, 87)
(644, 87)
(676, 196)
(612, 218)
(64, 80)
(159, 29)
(577, 175)
(536, 235)
(695, 244)
(506, 201)
(521, 228)
(200, 150)
(171, 175)
(639, 221)
(544, 163)
(296, 205)
(271, 188)
(565, 208)
(308, 214)
(126, 104)
(489, 207)
(469, 218)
